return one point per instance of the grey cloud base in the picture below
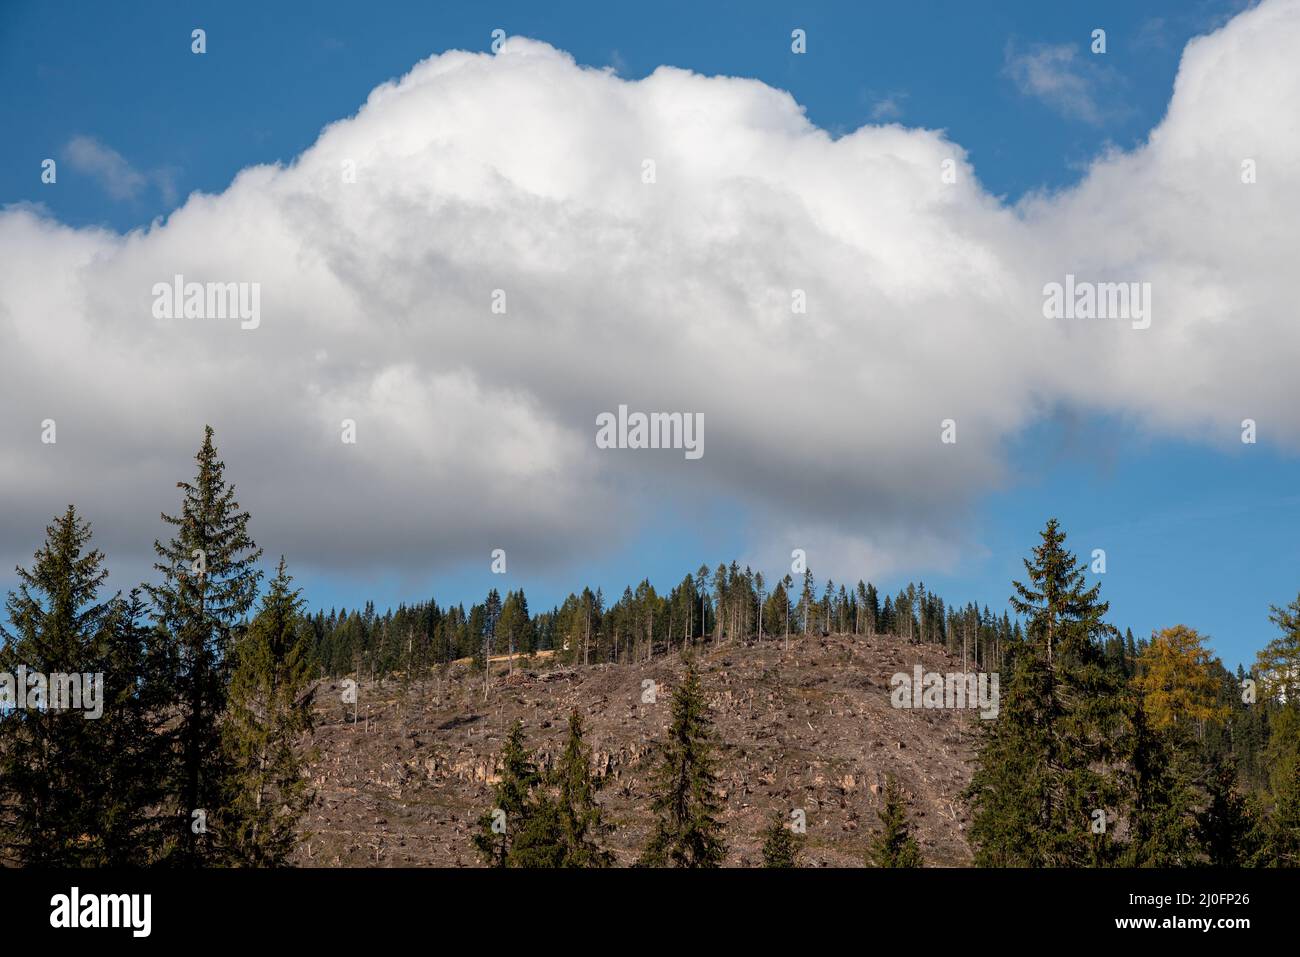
(522, 172)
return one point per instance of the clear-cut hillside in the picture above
(807, 728)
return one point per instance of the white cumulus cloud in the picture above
(522, 172)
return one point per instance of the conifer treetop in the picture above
(1064, 615)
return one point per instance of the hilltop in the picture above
(810, 727)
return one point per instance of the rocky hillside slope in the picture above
(810, 728)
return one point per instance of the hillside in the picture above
(810, 728)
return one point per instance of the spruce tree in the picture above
(1280, 830)
(1225, 826)
(1163, 793)
(79, 779)
(1049, 765)
(1065, 617)
(1278, 664)
(137, 692)
(538, 840)
(514, 796)
(780, 844)
(1012, 790)
(580, 815)
(491, 615)
(269, 712)
(209, 584)
(688, 832)
(51, 792)
(894, 846)
(1259, 851)
(1278, 668)
(557, 820)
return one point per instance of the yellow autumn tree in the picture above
(1175, 680)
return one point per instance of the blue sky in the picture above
(125, 75)
(1194, 534)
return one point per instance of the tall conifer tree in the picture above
(1225, 826)
(269, 713)
(1162, 795)
(580, 815)
(514, 796)
(1278, 670)
(1047, 764)
(135, 747)
(688, 832)
(50, 773)
(209, 584)
(80, 748)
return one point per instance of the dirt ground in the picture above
(811, 728)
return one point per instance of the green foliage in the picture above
(1278, 670)
(513, 793)
(1050, 760)
(1278, 664)
(203, 709)
(538, 839)
(551, 820)
(269, 713)
(193, 712)
(133, 745)
(1226, 827)
(1162, 796)
(581, 824)
(780, 844)
(1280, 832)
(688, 832)
(47, 759)
(894, 846)
(78, 778)
(516, 625)
(1064, 615)
(209, 584)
